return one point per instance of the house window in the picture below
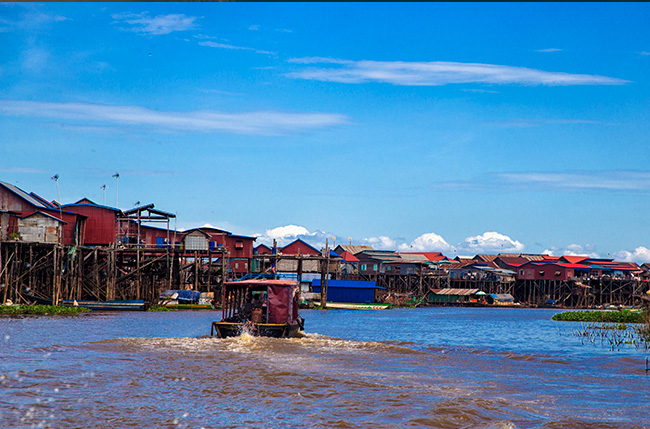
(387, 268)
(239, 245)
(557, 273)
(236, 265)
(363, 267)
(374, 267)
(541, 273)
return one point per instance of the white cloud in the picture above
(284, 235)
(640, 255)
(614, 180)
(490, 242)
(211, 44)
(573, 250)
(582, 181)
(31, 18)
(35, 60)
(259, 123)
(254, 27)
(288, 231)
(429, 242)
(157, 25)
(537, 122)
(380, 243)
(23, 170)
(548, 50)
(437, 73)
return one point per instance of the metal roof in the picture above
(44, 214)
(382, 255)
(503, 297)
(150, 208)
(25, 196)
(452, 291)
(411, 257)
(486, 258)
(90, 205)
(349, 257)
(354, 248)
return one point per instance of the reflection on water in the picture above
(441, 368)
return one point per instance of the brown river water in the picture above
(430, 367)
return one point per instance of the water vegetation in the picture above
(41, 310)
(613, 329)
(622, 316)
(159, 308)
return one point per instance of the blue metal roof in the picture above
(91, 205)
(350, 284)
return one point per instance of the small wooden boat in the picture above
(134, 304)
(358, 306)
(261, 307)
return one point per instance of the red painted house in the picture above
(263, 249)
(299, 247)
(548, 270)
(16, 203)
(239, 247)
(101, 223)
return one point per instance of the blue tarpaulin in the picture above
(183, 295)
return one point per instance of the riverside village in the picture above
(88, 252)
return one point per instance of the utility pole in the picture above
(58, 201)
(117, 187)
(324, 276)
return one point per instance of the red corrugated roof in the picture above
(579, 266)
(431, 256)
(575, 259)
(349, 257)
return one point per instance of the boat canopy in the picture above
(277, 298)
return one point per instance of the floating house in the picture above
(17, 206)
(371, 261)
(453, 296)
(300, 247)
(551, 270)
(40, 227)
(101, 226)
(501, 299)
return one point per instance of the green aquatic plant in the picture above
(613, 337)
(622, 316)
(159, 308)
(41, 310)
(612, 329)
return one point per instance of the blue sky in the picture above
(462, 128)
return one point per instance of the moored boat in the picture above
(261, 307)
(133, 304)
(358, 306)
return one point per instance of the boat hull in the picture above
(132, 305)
(353, 306)
(227, 329)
